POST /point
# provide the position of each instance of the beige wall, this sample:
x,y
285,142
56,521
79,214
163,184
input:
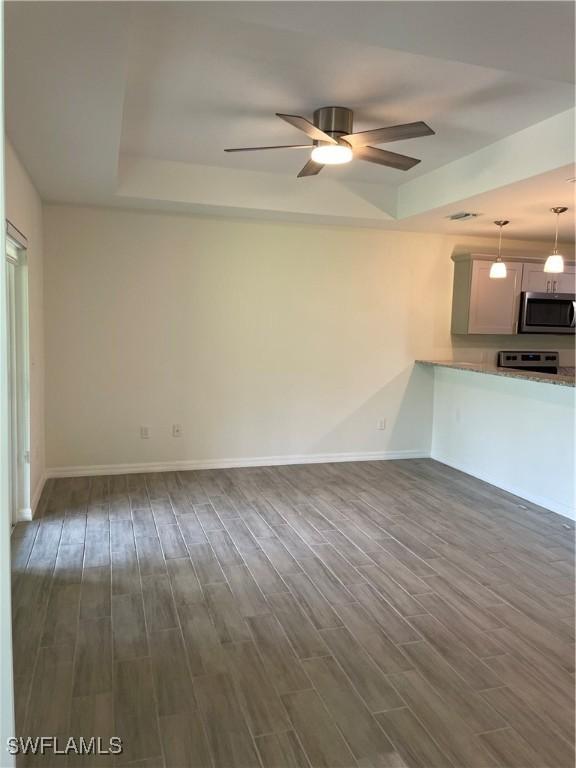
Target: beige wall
x,y
261,339
24,211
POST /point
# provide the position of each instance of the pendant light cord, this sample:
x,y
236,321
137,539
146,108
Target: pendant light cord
x,y
556,237
558,210
500,223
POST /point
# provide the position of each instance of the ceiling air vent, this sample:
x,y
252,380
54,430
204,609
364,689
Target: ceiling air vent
x,y
462,216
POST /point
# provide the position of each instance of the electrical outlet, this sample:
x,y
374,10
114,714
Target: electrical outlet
x,y
144,433
176,430
381,424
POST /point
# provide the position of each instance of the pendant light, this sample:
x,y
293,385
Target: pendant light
x,y
555,262
498,268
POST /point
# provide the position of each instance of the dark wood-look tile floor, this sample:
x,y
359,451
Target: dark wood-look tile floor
x,y
366,615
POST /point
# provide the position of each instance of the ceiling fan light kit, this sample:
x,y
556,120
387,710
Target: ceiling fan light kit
x,y
334,143
331,154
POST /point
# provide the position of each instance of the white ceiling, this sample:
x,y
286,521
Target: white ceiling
x,y
220,79
130,103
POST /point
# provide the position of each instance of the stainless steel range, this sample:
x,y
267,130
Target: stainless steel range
x,y
543,362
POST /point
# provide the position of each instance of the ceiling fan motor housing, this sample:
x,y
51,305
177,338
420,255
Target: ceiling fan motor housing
x,y
335,121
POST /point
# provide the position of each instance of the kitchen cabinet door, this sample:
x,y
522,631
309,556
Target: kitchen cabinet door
x,y
565,282
494,304
535,279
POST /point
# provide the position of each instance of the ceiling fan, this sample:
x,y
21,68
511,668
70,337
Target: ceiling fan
x,y
333,141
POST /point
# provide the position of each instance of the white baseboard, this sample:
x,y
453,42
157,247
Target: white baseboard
x,y
24,515
258,461
542,501
36,495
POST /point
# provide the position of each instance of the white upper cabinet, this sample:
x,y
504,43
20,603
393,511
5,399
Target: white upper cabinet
x,y
494,304
536,280
565,282
484,305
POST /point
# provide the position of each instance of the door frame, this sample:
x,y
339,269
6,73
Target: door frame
x,y
19,373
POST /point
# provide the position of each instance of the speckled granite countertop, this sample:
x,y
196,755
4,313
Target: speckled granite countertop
x,y
564,377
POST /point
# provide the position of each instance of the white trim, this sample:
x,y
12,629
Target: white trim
x,y
257,461
23,515
14,234
37,493
19,379
542,501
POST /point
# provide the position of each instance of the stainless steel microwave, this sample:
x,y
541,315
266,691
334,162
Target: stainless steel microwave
x,y
547,313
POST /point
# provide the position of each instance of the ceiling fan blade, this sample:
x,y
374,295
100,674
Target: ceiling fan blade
x,y
309,129
280,146
391,133
310,169
383,157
